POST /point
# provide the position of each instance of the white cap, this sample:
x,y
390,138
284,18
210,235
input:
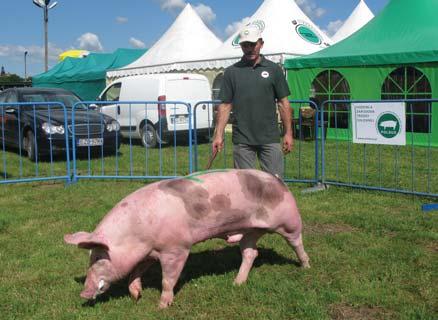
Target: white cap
x,y
250,33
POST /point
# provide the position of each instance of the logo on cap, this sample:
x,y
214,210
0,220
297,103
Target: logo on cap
x,y
259,24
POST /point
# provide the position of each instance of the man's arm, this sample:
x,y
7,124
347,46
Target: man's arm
x,y
286,118
223,114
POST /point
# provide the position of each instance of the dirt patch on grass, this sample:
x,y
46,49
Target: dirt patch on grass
x,y
328,228
432,246
343,311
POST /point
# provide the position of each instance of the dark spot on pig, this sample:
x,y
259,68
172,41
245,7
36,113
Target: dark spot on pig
x,y
195,198
220,202
124,205
262,213
267,192
230,218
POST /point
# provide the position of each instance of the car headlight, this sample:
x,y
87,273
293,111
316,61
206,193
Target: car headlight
x,y
52,129
113,126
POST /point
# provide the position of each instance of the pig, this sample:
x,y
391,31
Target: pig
x,y
163,220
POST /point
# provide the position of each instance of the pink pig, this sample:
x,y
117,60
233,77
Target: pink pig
x,y
163,220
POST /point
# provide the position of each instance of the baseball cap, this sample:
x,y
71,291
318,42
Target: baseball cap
x,y
250,33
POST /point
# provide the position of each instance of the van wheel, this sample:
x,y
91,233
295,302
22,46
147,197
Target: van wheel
x,y
29,145
149,136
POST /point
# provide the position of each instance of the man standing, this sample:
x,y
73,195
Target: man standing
x,y
252,88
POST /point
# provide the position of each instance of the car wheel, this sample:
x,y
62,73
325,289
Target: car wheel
x,y
149,136
29,145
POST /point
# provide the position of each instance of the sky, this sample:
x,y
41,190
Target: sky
x,y
105,25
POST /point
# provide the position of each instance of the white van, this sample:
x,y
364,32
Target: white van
x,y
155,122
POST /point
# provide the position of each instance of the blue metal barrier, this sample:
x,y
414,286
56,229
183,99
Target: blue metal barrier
x,y
302,164
207,128
34,135
140,121
405,169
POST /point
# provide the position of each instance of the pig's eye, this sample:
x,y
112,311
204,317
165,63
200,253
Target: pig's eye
x,y
101,285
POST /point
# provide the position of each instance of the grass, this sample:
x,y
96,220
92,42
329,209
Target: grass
x,y
374,255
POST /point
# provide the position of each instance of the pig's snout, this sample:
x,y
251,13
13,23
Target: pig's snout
x,y
88,294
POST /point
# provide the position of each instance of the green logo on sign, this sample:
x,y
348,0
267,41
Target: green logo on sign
x,y
388,125
308,34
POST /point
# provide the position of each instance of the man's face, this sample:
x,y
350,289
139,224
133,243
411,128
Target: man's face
x,y
251,50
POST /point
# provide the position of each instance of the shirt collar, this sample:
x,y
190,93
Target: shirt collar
x,y
244,63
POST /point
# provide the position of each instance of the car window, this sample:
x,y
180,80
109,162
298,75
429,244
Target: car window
x,y
67,99
33,98
10,97
113,93
3,97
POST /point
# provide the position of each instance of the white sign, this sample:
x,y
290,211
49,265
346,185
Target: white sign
x,y
379,123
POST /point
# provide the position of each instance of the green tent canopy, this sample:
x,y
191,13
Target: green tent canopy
x,y
86,76
394,56
405,31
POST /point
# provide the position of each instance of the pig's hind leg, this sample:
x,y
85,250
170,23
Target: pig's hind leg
x,y
248,249
172,263
295,239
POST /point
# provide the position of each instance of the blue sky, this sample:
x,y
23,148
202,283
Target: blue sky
x,y
105,25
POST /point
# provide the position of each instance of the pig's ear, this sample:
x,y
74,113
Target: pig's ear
x,y
86,240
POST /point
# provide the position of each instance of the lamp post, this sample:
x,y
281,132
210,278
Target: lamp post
x,y
46,6
25,65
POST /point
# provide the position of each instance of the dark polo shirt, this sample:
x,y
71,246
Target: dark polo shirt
x,y
253,90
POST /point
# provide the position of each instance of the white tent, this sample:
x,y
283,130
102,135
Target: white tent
x,y
188,38
360,16
287,32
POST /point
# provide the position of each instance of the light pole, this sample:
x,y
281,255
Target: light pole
x,y
25,65
46,6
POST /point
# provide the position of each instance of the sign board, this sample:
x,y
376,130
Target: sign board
x,y
379,123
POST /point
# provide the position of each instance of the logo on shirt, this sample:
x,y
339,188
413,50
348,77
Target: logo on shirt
x,y
265,74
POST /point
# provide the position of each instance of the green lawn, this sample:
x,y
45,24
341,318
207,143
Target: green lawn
x,y
373,256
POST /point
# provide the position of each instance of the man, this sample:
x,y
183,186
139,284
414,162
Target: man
x,y
252,88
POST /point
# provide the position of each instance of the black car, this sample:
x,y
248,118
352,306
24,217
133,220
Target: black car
x,y
39,129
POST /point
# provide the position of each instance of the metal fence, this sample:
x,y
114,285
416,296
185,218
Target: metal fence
x,y
147,146
33,135
411,169
176,142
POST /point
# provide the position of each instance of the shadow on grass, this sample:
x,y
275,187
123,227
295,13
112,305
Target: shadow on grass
x,y
211,262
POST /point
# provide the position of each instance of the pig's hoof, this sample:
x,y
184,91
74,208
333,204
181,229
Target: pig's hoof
x,y
165,302
239,282
136,296
305,265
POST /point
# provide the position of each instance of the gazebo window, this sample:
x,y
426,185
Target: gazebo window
x,y
410,83
331,85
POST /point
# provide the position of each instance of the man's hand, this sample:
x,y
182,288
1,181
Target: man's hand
x,y
218,143
223,114
288,143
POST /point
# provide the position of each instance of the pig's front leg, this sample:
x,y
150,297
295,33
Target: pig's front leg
x,y
248,249
135,278
172,263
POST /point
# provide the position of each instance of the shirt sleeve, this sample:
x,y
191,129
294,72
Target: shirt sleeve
x,y
226,92
281,85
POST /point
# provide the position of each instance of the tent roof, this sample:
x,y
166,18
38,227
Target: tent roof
x,y
404,32
282,22
360,16
188,38
92,67
286,30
